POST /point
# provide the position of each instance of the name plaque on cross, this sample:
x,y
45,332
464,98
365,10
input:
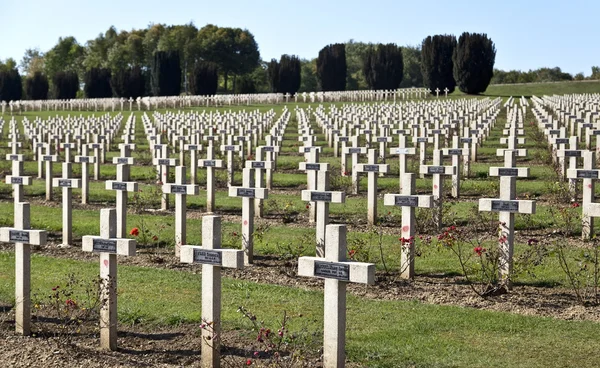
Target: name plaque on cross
x,y
47,158
331,270
65,183
382,139
466,140
192,147
207,257
320,196
421,140
245,192
371,168
310,166
104,245
119,185
436,169
84,159
409,201
229,148
16,180
268,149
164,161
456,151
18,236
504,171
507,206
178,189
343,139
95,146
587,174
402,151
258,164
354,150
14,157
122,160
572,153
436,131
554,132
209,163
473,131
561,141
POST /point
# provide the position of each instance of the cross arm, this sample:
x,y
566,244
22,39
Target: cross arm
x,y
352,150
51,158
127,186
33,237
228,258
66,183
124,247
306,149
189,189
323,196
521,152
85,159
357,272
582,174
18,180
269,165
422,201
379,168
521,172
258,193
14,157
442,170
192,147
307,166
211,163
123,160
506,140
402,151
500,205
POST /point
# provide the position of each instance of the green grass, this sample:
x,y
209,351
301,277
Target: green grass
x,y
379,333
538,89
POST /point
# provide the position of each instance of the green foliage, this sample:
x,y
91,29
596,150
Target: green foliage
x,y
473,60
411,56
436,62
355,54
66,56
33,61
245,85
11,88
36,86
65,85
166,74
273,75
97,83
540,75
308,76
383,66
205,79
331,67
289,74
128,82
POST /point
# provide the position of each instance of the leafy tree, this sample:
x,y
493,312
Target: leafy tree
x,y
166,74
411,55
137,82
355,54
245,85
436,62
32,62
97,83
383,66
128,82
66,56
273,75
65,85
233,49
11,88
331,67
473,60
36,86
290,73
308,76
205,79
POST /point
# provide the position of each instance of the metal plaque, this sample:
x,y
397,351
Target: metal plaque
x,y
258,164
65,183
436,169
371,168
406,201
245,192
116,185
18,236
504,171
16,180
330,270
320,196
208,257
178,189
104,245
209,163
505,206
313,166
587,174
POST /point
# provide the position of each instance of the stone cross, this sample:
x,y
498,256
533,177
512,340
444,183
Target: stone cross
x,y
373,169
108,245
164,163
456,154
229,148
248,193
194,149
311,167
572,154
181,191
210,164
212,258
507,206
22,237
16,178
67,184
322,197
259,168
402,152
337,272
437,170
85,160
354,151
589,209
408,201
49,159
437,93
122,186
422,142
446,90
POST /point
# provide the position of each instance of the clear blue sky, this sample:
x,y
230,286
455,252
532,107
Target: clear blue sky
x,y
528,34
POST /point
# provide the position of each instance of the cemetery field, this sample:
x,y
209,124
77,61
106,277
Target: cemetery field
x,y
449,315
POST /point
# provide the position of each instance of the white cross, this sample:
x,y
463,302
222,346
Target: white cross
x,y
67,184
438,172
372,168
590,209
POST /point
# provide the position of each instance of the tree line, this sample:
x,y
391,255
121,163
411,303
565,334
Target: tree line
x,y
169,60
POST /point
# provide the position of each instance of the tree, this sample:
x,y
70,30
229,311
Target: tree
x,y
290,73
137,82
66,56
32,62
166,74
97,83
245,85
36,86
11,87
355,54
308,76
383,66
128,82
473,60
436,62
331,67
273,75
411,55
65,85
233,49
205,79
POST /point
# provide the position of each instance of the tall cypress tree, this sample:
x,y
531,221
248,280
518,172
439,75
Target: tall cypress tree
x,y
11,87
97,83
383,66
273,75
65,85
205,79
332,68
166,73
436,62
289,74
473,59
36,86
137,82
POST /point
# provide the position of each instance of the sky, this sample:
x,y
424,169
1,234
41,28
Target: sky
x,y
528,34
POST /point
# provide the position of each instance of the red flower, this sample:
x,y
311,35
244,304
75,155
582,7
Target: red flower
x,y
70,303
249,362
351,253
575,205
479,250
307,206
135,231
155,238
234,233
